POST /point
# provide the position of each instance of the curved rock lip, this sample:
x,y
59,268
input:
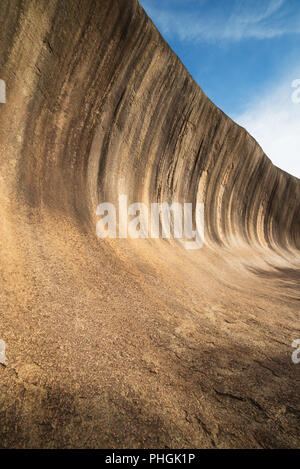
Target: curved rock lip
x,y
136,341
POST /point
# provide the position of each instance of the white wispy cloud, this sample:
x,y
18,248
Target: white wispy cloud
x,y
256,19
274,121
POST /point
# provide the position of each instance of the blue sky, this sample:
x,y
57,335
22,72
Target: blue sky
x,y
245,55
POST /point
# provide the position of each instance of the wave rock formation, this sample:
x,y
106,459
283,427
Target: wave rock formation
x,y
122,342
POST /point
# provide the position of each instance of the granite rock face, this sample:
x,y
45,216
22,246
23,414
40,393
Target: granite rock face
x,y
136,343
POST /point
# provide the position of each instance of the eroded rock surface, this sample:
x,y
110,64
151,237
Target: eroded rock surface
x,y
136,343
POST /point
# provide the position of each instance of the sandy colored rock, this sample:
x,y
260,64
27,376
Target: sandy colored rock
x,y
136,343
